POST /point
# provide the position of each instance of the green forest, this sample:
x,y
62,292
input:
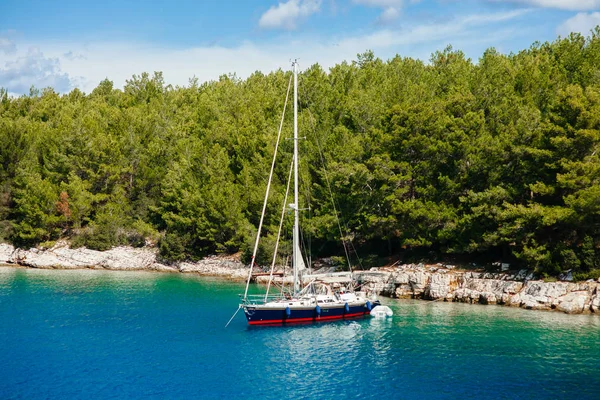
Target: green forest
x,y
493,159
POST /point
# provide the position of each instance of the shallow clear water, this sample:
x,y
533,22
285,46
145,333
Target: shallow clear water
x,y
113,335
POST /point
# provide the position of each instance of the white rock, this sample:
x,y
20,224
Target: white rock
x,y
514,300
475,295
6,251
438,287
400,278
546,292
418,280
162,268
215,267
459,294
488,298
404,291
528,301
573,302
595,303
119,258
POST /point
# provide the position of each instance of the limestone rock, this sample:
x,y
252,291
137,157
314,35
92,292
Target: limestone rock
x,y
573,302
514,300
6,251
528,301
418,280
404,292
438,287
534,302
216,267
376,282
461,294
118,258
548,289
475,296
595,303
504,298
158,267
400,278
488,298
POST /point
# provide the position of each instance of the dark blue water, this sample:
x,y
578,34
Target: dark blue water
x,y
120,335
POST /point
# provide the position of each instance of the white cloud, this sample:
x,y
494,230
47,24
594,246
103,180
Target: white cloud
x,y
288,15
380,3
388,15
33,68
460,28
7,46
572,5
119,61
72,56
480,19
391,8
582,23
71,64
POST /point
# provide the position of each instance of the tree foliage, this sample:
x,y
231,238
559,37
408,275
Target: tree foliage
x,y
497,158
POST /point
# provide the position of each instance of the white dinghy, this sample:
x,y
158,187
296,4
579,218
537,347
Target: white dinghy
x,y
381,312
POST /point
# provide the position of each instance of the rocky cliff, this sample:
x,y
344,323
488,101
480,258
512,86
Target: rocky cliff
x,y
520,289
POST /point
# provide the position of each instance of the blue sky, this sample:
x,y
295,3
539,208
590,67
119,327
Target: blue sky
x,y
68,44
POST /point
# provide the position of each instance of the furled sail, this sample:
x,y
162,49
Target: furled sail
x,y
300,266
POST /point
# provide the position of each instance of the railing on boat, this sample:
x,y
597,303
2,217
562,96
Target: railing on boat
x,y
260,298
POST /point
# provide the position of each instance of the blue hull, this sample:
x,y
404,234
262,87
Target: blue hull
x,y
257,315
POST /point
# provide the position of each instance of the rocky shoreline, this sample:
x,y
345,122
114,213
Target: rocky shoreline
x,y
429,282
125,258
519,289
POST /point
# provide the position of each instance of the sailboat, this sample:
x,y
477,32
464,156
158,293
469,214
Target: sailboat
x,y
316,297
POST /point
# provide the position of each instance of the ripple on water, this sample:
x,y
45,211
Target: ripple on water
x,y
101,334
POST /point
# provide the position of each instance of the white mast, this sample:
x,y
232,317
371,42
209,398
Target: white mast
x,y
296,256
262,215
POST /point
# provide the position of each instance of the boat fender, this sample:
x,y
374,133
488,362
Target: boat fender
x,y
347,307
368,305
288,312
318,310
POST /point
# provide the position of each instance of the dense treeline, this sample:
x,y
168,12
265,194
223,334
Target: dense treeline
x,y
497,159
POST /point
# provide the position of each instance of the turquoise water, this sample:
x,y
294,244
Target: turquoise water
x,y
121,335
